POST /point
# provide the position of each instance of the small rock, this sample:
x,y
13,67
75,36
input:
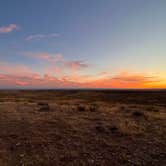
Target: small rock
x,y
22,155
18,144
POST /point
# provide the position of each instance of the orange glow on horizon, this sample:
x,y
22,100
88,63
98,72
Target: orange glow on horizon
x,y
23,76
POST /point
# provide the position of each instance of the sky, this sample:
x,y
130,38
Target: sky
x,y
82,44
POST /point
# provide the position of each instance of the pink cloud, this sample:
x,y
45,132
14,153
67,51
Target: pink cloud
x,y
57,63
48,81
45,56
14,75
2,77
12,69
9,28
54,70
21,83
76,65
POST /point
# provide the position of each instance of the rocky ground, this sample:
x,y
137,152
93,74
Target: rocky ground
x,y
80,128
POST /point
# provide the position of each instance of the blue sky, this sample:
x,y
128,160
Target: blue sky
x,y
102,36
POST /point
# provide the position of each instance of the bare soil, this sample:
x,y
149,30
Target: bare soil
x,y
82,128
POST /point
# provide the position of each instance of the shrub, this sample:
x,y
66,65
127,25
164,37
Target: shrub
x,y
93,108
44,107
81,108
137,114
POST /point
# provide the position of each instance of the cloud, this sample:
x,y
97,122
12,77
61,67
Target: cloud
x,y
21,83
22,76
45,56
9,28
42,36
48,81
17,76
104,73
135,78
13,69
54,70
57,62
126,80
76,65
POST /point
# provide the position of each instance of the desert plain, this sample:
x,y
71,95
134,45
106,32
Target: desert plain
x,y
82,127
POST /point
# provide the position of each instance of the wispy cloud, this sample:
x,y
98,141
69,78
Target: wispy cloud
x,y
52,59
12,69
126,80
42,36
76,65
9,28
45,56
21,83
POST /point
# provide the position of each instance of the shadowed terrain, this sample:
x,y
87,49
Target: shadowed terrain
x,y
82,127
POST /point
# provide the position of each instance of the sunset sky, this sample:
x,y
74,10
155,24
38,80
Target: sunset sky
x,y
82,44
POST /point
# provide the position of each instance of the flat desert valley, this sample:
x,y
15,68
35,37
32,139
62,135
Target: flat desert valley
x,y
82,128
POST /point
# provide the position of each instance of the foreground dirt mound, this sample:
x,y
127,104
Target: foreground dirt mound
x,y
56,130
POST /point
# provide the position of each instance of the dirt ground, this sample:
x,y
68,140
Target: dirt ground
x,y
82,128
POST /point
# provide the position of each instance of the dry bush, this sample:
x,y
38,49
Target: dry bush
x,y
90,107
41,103
43,107
138,114
81,108
93,108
